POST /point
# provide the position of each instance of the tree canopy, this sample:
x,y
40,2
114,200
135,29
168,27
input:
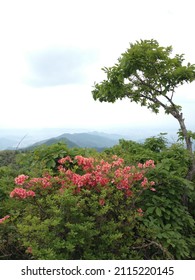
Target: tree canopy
x,y
145,73
149,74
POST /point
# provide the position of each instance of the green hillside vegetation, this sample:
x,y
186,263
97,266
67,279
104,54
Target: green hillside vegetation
x,y
101,224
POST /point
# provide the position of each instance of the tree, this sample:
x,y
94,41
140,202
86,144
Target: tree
x,y
147,74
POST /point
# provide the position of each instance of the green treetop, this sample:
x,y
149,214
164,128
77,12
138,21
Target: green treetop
x,y
148,74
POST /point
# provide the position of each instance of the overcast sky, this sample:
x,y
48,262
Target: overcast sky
x,y
52,52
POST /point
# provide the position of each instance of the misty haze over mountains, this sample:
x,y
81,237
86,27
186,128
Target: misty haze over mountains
x,y
22,138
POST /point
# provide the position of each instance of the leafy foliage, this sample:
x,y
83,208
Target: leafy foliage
x,y
104,221
145,72
86,200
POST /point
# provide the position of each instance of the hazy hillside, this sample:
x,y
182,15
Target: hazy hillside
x,y
112,136
89,140
54,140
83,140
11,138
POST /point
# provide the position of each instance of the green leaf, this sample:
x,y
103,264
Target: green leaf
x,y
168,226
158,212
150,210
51,163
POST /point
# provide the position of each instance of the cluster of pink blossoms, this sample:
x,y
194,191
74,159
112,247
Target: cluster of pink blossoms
x,y
148,163
140,211
99,175
86,163
21,193
117,161
21,179
91,179
4,218
65,159
45,182
94,175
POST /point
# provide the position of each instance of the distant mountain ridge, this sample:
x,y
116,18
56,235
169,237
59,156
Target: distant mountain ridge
x,y
53,140
89,140
82,140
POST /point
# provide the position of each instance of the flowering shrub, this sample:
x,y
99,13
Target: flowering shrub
x,y
78,204
94,176
90,209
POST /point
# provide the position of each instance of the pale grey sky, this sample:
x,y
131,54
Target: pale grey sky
x,y
52,52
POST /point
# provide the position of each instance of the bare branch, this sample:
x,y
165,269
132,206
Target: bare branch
x,y
158,245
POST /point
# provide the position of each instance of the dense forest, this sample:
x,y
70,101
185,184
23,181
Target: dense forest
x,y
127,202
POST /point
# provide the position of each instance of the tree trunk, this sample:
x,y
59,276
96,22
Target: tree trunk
x,y
191,171
188,142
185,135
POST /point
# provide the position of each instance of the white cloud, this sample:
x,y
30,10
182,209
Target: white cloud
x,y
104,27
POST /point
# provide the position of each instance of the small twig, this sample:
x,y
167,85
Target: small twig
x,y
20,142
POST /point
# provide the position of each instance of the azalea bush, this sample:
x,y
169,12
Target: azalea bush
x,y
90,209
165,211
80,204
